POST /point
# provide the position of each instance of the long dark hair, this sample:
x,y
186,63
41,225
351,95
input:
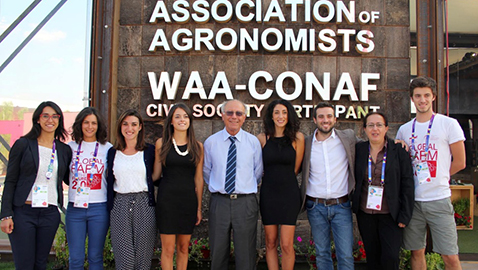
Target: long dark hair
x,y
77,134
34,133
120,141
292,126
193,146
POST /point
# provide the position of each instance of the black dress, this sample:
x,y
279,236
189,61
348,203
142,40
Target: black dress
x,y
176,208
280,194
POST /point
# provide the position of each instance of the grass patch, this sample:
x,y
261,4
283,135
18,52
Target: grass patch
x,y
7,265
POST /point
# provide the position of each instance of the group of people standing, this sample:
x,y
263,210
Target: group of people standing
x,y
394,193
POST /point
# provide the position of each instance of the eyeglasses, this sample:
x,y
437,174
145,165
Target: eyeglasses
x,y
231,113
46,116
378,125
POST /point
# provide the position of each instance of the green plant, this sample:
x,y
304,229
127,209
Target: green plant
x,y
108,256
311,248
434,261
203,243
231,253
461,206
405,256
359,253
311,256
61,247
297,247
195,248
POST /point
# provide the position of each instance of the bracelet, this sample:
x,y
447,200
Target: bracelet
x,y
5,218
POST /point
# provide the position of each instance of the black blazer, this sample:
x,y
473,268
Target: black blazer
x,y
148,157
22,171
399,187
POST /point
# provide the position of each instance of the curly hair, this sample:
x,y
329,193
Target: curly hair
x,y
292,126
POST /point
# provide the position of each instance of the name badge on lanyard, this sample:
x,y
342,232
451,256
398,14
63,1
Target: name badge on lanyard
x,y
82,195
374,198
423,172
40,196
375,193
40,191
421,167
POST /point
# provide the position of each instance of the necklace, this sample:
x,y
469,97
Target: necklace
x,y
179,151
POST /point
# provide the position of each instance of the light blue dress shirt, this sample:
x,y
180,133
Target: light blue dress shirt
x,y
248,164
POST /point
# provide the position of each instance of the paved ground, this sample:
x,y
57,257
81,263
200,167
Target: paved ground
x,y
469,265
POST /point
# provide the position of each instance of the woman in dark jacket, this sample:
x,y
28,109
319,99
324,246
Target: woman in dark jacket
x,y
37,165
384,193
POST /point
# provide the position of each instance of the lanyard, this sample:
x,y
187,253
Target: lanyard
x,y
427,138
77,161
49,173
384,161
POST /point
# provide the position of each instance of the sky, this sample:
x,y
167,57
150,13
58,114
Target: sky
x,y
54,64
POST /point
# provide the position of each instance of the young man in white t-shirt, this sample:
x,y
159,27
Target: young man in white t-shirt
x,y
434,139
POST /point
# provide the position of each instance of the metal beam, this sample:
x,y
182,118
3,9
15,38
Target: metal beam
x,y
103,65
31,35
430,42
4,143
19,19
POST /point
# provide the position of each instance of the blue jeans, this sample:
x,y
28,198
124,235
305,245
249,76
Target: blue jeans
x,y
80,222
338,218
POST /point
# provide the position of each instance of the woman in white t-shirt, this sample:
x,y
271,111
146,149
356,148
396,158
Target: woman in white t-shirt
x,y
87,213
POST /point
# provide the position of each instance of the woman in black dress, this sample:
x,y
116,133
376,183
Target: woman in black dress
x,y
179,157
282,153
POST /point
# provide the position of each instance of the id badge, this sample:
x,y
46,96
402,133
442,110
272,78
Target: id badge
x,y
82,197
423,173
40,196
374,198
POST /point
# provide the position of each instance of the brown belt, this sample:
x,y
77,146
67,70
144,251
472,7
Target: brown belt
x,y
326,202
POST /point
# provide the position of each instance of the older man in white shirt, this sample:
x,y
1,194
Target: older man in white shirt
x,y
233,169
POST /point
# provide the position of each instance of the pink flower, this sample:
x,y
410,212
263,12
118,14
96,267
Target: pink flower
x,y
299,239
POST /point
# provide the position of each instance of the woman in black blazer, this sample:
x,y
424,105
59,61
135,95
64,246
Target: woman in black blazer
x,y
384,193
38,162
